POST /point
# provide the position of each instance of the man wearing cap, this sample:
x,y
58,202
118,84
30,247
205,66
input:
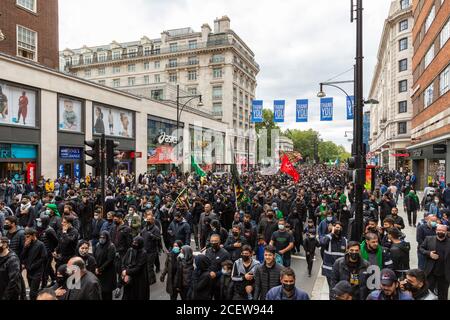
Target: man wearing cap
x,y
10,276
436,249
390,288
351,268
34,258
342,291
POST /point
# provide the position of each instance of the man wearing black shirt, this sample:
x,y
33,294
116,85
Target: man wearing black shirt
x,y
283,242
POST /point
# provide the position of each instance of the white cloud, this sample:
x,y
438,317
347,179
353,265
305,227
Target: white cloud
x,y
297,43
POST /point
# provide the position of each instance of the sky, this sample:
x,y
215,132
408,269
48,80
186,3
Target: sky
x,y
297,43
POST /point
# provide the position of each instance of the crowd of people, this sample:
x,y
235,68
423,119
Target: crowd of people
x,y
62,241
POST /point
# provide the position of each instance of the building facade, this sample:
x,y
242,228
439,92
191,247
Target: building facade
x,y
284,144
44,110
29,30
390,120
431,99
217,65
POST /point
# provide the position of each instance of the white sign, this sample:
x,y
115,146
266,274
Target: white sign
x,y
113,122
17,106
164,138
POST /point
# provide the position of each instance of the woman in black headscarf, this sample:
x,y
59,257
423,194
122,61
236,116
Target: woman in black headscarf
x,y
134,272
105,253
83,253
185,268
201,280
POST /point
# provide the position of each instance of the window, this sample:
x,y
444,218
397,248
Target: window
x,y
192,44
403,44
116,69
102,82
404,4
117,55
443,81
217,73
172,77
173,47
131,81
217,93
87,72
192,75
157,50
87,59
403,65
402,127
131,68
445,33
101,57
172,63
217,109
403,25
157,94
116,83
101,71
75,60
26,43
428,96
27,4
157,78
192,91
403,86
217,58
147,51
429,19
192,61
132,53
157,64
402,107
429,56
146,66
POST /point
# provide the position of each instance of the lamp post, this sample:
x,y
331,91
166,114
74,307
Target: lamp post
x,y
181,108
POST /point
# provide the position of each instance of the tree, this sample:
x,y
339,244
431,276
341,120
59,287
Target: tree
x,y
328,151
305,142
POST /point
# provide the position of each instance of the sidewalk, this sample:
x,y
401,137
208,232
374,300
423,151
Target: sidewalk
x,y
321,291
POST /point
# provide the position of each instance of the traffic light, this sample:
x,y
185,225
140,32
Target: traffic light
x,y
351,162
111,154
94,153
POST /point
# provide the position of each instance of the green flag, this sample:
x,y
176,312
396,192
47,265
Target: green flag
x,y
197,168
241,196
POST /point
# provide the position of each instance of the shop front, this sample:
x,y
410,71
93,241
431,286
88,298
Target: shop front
x,y
431,164
163,144
208,148
18,162
70,162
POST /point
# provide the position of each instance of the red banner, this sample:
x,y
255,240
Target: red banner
x,y
161,155
288,168
31,173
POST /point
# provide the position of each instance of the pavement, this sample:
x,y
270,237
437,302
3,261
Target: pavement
x,y
321,290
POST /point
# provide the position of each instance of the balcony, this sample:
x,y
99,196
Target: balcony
x,y
217,114
215,98
182,65
220,60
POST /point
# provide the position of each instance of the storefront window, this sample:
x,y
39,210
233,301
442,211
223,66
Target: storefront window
x,y
436,171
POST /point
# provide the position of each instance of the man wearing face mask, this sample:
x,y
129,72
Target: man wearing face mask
x,y
325,224
25,213
121,235
48,237
235,242
216,254
249,231
67,244
34,258
202,226
287,290
96,226
10,275
436,249
109,224
425,229
15,234
283,241
334,245
322,210
179,229
152,238
243,275
268,226
351,268
416,283
54,215
310,243
133,220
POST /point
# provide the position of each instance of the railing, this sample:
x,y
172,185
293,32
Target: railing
x,y
217,97
217,114
182,64
217,60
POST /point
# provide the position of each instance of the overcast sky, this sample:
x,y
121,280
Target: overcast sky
x,y
297,43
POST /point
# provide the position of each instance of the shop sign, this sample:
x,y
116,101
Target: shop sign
x,y
439,148
417,153
31,173
166,139
70,153
5,151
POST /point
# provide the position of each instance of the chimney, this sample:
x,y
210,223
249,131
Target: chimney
x,y
164,36
222,24
206,30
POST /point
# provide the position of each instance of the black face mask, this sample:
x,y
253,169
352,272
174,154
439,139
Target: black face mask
x,y
61,281
215,246
246,258
270,216
354,256
235,234
441,235
7,227
288,287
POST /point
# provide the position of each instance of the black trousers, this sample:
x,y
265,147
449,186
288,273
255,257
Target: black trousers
x,y
439,283
413,215
34,283
151,258
309,261
48,272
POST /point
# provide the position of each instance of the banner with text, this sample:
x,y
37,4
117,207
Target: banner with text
x,y
257,111
302,110
350,107
278,111
326,109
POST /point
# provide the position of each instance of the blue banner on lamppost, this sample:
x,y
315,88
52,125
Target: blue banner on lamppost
x,y
302,110
326,109
278,111
257,111
350,107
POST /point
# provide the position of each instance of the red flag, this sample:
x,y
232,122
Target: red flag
x,y
288,168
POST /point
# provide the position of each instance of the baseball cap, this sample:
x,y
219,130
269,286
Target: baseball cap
x,y
342,287
388,277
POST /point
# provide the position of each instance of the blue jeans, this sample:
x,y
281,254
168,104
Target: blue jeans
x,y
421,260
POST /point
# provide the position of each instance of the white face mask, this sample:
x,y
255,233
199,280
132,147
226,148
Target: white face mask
x,y
181,256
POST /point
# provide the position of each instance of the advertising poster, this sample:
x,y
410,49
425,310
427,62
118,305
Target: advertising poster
x,y
113,122
302,110
163,154
17,106
70,115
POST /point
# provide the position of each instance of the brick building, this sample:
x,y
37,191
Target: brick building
x,y
430,133
30,29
